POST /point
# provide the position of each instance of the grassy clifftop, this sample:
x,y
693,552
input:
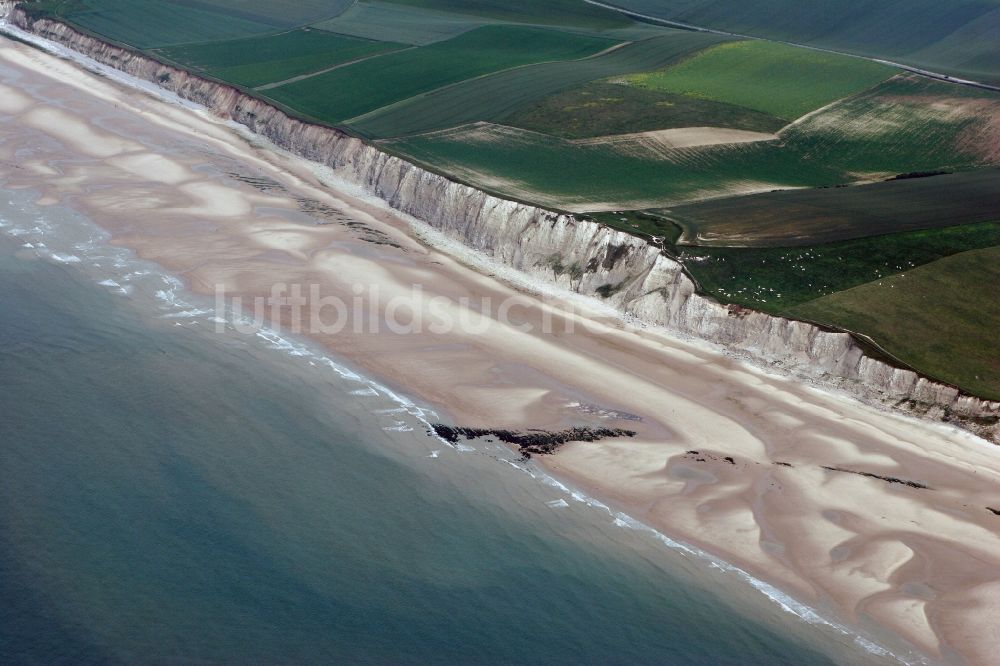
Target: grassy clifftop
x,y
653,130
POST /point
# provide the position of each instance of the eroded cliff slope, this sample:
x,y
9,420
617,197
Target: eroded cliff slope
x,y
593,260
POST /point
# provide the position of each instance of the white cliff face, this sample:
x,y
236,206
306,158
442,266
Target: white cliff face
x,y
579,255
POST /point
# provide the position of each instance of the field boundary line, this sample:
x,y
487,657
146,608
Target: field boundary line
x,y
375,112
898,65
842,100
303,77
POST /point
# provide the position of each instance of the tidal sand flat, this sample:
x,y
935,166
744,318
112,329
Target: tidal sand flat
x,y
881,522
172,495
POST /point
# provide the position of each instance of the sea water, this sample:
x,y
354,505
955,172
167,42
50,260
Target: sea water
x,y
171,494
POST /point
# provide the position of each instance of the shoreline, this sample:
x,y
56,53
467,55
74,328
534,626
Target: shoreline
x,y
525,238
534,406
186,313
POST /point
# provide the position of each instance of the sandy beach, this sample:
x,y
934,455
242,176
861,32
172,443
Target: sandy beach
x,y
880,520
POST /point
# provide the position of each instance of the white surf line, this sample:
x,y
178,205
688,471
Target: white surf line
x,y
697,28
303,348
784,601
466,255
292,345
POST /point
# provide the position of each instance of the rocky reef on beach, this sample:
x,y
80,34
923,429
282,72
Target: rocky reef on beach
x,y
530,442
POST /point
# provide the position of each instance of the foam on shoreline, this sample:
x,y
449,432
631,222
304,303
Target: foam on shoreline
x,y
185,311
523,237
123,273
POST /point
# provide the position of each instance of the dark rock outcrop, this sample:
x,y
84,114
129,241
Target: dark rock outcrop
x,y
529,442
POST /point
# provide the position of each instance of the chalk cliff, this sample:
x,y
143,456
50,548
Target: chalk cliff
x,y
634,276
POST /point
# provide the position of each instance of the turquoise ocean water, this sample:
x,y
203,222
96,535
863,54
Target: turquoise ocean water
x,y
174,495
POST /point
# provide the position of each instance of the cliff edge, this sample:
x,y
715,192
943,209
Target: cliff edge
x,y
630,274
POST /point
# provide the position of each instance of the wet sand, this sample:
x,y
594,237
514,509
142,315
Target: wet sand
x,y
878,518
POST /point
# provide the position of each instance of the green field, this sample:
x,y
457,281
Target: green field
x,y
149,23
357,89
574,107
586,177
493,97
775,279
602,108
941,318
647,224
258,60
957,37
285,14
776,79
387,21
903,125
544,12
807,217
972,51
